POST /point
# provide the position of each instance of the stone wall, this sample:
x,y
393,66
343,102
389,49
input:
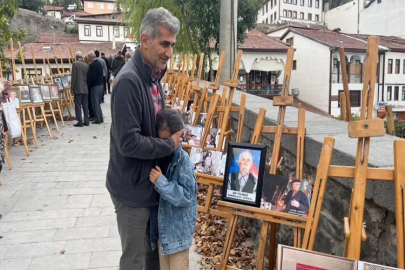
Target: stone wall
x,y
379,215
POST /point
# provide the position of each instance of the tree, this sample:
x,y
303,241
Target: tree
x,y
34,5
63,3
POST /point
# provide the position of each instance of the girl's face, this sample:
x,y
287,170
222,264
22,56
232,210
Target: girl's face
x,y
164,134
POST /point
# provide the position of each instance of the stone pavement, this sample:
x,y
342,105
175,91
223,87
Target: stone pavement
x,y
56,200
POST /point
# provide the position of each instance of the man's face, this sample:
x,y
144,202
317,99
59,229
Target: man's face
x,y
245,163
159,50
12,95
296,186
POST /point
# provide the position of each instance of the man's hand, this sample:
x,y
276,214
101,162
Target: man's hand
x,y
177,138
7,85
295,203
155,174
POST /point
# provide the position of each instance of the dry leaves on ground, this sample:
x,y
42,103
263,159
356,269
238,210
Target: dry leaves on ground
x,y
210,236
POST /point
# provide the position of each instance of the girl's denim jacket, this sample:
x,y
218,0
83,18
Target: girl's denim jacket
x,y
177,211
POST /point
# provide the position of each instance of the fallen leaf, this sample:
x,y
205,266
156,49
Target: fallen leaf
x,y
44,205
55,137
70,140
62,251
1,236
95,137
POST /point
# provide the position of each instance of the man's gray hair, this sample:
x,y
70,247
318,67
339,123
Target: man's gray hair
x,y
79,55
156,18
91,54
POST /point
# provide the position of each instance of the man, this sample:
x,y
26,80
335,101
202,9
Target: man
x,y
128,55
36,97
95,85
136,99
80,91
54,91
117,64
107,62
105,72
296,201
14,99
243,180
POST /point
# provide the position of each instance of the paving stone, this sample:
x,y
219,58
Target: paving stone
x,y
3,250
61,262
96,221
113,232
53,202
93,245
7,204
32,225
32,250
92,184
103,200
63,185
78,191
14,237
44,185
81,233
105,259
44,214
36,193
108,211
15,264
92,212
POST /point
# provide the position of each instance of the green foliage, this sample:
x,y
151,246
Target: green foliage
x,y
34,5
247,14
7,10
355,117
399,128
63,3
71,29
336,3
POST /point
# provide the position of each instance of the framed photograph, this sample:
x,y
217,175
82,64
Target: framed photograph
x,y
54,90
65,82
25,93
14,96
58,82
213,138
244,170
371,266
69,78
208,162
289,258
193,135
46,94
36,96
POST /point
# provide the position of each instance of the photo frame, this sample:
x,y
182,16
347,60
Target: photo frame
x,y
14,96
36,96
209,162
25,93
58,82
46,94
244,169
65,82
54,91
192,135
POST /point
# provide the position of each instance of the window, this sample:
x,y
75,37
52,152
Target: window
x,y
99,31
302,2
267,20
378,1
317,3
262,11
271,4
31,72
271,18
285,13
90,5
294,65
403,67
301,15
267,7
289,1
389,66
290,41
317,18
87,30
275,15
389,93
309,17
126,33
403,92
285,1
275,2
294,2
310,3
355,98
116,32
396,92
397,64
100,6
295,14
289,14
110,6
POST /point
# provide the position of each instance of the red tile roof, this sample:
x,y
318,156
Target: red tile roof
x,y
396,44
52,8
296,25
257,41
77,13
100,21
331,39
60,38
105,47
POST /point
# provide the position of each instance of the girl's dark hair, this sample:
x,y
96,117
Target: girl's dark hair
x,y
170,120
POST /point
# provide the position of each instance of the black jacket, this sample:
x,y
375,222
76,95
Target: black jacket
x,y
117,65
95,77
107,62
249,186
134,146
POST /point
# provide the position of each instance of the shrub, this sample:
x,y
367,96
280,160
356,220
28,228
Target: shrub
x,y
399,128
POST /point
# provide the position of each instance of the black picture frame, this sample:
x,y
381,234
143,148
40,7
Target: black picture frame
x,y
25,93
58,82
54,90
251,192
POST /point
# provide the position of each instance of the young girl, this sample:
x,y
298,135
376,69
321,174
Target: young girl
x,y
176,214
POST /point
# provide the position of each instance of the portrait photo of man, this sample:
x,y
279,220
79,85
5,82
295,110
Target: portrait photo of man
x,y
243,180
296,202
46,95
54,91
59,83
13,96
36,96
25,93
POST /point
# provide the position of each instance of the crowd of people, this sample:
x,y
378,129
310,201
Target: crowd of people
x,y
92,75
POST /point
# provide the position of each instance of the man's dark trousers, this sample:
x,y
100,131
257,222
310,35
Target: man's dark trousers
x,y
104,89
133,227
81,101
96,94
90,106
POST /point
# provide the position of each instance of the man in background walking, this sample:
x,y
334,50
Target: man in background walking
x,y
96,86
117,64
107,62
80,91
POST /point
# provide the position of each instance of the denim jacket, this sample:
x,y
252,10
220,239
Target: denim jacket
x,y
177,211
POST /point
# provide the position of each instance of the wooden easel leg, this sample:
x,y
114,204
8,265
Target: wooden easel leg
x,y
262,246
60,112
33,127
272,251
399,178
230,234
54,117
46,122
24,132
7,154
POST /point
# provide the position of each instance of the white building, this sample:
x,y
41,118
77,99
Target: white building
x,y
104,30
283,11
54,11
375,17
316,75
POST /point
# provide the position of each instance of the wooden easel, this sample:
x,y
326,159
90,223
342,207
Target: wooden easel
x,y
39,118
50,112
390,119
348,108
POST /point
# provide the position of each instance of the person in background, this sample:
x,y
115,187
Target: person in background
x,y
135,149
105,72
4,87
128,55
80,91
117,64
107,62
173,221
95,83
